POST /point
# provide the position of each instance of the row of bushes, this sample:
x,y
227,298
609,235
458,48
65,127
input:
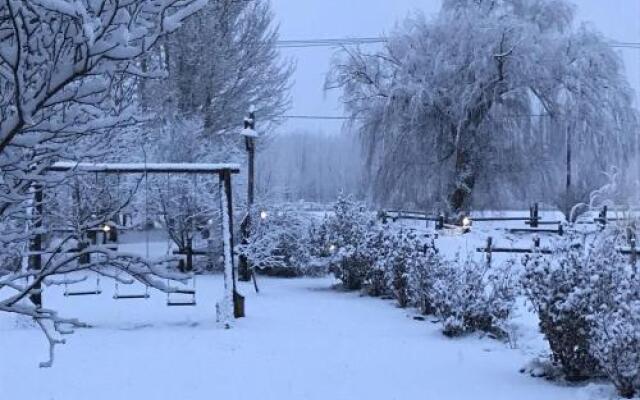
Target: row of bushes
x,y
465,295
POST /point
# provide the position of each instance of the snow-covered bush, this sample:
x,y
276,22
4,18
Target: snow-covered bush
x,y
559,288
278,244
319,243
588,300
422,276
377,283
350,232
615,340
615,322
401,255
473,296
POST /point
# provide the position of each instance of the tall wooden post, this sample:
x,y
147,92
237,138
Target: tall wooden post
x,y
249,140
238,300
568,194
35,259
189,266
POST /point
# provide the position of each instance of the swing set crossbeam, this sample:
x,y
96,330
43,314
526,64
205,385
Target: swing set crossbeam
x,y
145,168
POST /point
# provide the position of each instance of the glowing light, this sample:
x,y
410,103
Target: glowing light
x,y
466,222
263,214
106,228
332,248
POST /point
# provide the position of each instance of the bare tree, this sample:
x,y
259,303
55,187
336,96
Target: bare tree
x,y
222,63
66,69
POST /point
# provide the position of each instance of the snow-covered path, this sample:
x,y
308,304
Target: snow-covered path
x,y
301,340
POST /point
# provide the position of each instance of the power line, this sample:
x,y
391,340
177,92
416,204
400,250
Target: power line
x,y
330,42
344,118
336,42
317,117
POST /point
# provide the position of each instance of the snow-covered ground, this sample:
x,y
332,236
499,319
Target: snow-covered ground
x,y
301,340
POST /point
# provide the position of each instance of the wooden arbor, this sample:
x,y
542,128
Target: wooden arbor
x,y
224,173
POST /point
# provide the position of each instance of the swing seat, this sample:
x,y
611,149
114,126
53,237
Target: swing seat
x,y
184,291
181,303
84,293
131,296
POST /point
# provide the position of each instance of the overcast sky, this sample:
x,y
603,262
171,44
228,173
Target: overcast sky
x,y
314,19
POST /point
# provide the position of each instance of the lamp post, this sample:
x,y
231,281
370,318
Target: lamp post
x,y
244,269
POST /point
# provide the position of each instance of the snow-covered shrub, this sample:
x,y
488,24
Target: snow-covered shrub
x,y
422,275
472,296
376,280
588,300
559,287
319,243
402,253
615,340
615,322
278,244
349,233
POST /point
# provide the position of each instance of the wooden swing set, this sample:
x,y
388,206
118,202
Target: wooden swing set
x,y
224,173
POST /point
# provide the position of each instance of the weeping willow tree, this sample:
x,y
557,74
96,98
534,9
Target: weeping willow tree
x,y
483,99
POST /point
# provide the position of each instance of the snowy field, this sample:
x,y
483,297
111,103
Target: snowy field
x,y
301,340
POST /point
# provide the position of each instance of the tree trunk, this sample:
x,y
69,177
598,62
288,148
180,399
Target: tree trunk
x,y
464,182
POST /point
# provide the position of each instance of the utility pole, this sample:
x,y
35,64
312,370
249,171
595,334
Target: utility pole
x,y
244,270
568,193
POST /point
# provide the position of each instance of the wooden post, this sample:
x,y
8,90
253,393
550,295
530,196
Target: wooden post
x,y
35,260
189,249
603,217
489,249
249,124
238,300
536,242
534,216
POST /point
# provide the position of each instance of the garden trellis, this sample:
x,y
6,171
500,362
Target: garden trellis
x,y
224,173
